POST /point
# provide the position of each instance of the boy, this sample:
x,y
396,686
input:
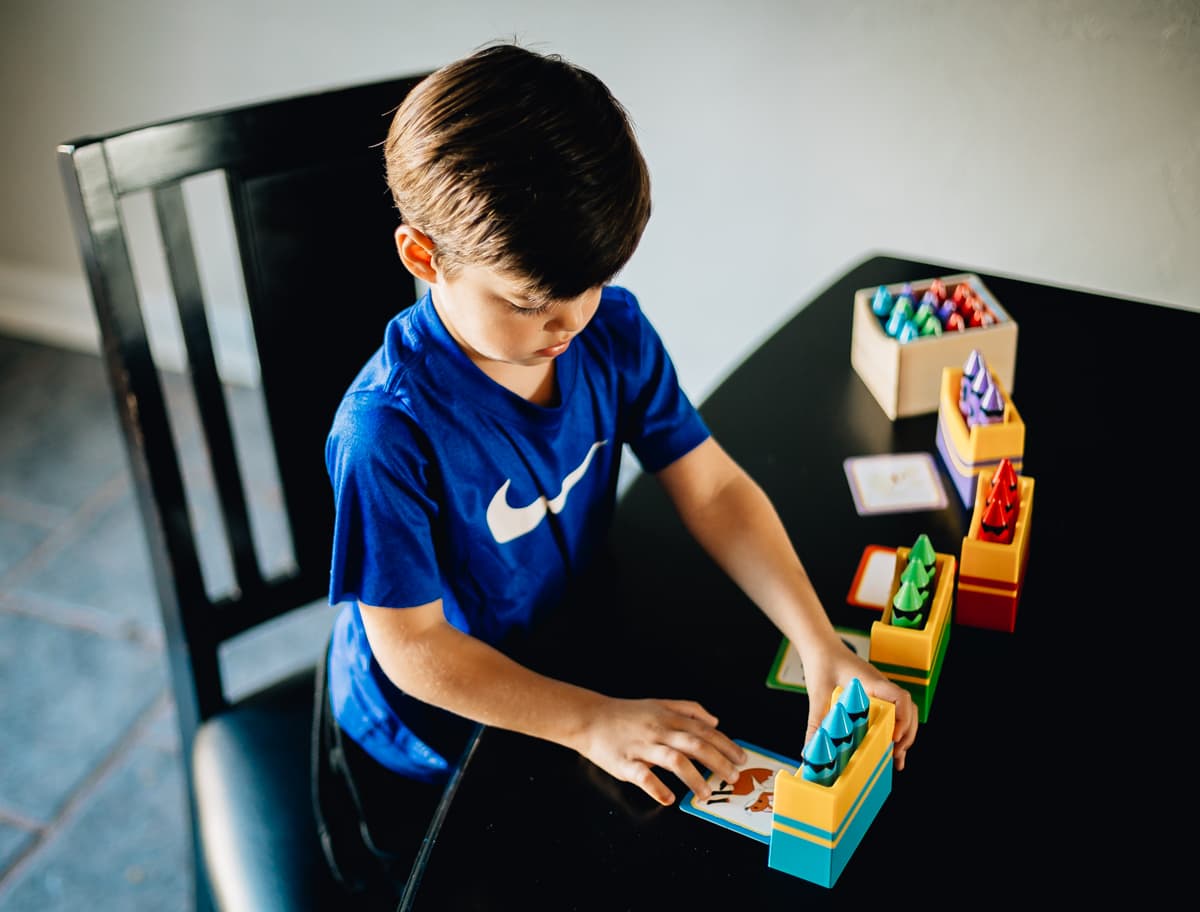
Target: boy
x,y
474,464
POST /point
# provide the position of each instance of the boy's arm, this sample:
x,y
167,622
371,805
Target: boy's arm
x,y
734,521
432,660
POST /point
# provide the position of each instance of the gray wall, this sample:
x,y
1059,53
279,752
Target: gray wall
x,y
1053,140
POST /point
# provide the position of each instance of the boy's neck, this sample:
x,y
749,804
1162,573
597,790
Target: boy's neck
x,y
535,384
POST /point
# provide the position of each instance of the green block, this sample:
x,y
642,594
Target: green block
x,y
922,694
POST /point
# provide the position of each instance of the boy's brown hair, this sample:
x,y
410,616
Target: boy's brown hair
x,y
523,163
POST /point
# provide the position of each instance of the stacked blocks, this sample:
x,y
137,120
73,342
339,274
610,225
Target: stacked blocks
x,y
972,438
992,570
815,827
912,656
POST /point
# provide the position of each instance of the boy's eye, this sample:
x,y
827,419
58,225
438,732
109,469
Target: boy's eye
x,y
529,311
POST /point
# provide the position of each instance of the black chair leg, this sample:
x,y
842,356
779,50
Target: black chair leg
x,y
200,889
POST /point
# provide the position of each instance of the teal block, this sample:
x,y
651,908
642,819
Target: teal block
x,y
816,863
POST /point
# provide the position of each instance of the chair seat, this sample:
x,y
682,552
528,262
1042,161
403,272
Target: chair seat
x,y
254,807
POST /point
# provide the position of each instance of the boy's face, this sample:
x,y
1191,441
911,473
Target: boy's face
x,y
486,314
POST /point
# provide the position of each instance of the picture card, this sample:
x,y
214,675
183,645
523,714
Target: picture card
x,y
873,580
787,672
895,483
745,806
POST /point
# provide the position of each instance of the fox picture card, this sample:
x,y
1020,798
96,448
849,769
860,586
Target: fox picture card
x,y
744,806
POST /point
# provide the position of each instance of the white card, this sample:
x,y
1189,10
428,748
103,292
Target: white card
x,y
895,483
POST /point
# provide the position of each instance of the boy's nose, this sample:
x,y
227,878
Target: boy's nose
x,y
569,316
573,315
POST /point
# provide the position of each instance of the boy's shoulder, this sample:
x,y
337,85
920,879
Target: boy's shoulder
x,y
405,346
619,311
619,298
621,319
382,393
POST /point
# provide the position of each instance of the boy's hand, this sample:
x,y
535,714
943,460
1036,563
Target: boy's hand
x,y
627,738
825,670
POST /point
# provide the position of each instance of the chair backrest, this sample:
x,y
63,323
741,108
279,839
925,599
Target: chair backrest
x,y
313,223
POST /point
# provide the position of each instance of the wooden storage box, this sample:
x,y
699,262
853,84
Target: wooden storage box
x,y
905,377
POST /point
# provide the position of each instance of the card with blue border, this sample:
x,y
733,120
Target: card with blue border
x,y
745,806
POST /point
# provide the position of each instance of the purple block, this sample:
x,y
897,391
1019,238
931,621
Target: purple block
x,y
963,484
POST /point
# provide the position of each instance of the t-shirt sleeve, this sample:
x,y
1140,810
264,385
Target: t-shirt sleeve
x,y
384,514
661,423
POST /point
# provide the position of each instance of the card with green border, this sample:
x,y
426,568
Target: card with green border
x,y
787,673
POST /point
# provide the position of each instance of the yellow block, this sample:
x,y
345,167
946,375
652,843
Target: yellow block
x,y
979,443
908,646
996,560
828,807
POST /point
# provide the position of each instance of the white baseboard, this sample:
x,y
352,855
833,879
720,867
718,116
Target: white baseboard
x,y
56,309
48,307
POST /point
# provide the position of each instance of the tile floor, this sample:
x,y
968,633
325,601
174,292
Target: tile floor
x,y
92,810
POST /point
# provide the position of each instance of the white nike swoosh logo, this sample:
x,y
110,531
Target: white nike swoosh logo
x,y
508,522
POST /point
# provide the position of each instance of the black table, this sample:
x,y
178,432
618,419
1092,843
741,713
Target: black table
x,y
1033,770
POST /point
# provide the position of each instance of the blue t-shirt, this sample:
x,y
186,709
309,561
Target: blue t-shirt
x,y
447,485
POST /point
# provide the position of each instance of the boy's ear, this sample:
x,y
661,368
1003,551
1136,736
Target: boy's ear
x,y
416,251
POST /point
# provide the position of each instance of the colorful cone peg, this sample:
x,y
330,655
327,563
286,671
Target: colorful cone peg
x,y
881,304
840,728
906,607
1006,475
914,572
991,407
973,365
994,525
819,762
1008,499
858,708
922,550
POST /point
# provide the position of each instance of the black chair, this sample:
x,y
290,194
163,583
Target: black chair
x,y
313,223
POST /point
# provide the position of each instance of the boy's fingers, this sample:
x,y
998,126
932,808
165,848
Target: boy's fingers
x,y
905,731
683,768
641,774
692,710
698,728
644,778
721,758
714,739
814,722
906,720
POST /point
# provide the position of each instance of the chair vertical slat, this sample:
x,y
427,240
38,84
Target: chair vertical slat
x,y
322,280
282,388
171,211
140,405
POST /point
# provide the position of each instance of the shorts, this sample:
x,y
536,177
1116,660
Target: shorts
x,y
370,820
